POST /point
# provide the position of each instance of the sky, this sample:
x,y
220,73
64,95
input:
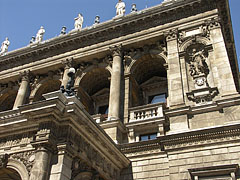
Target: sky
x,y
21,19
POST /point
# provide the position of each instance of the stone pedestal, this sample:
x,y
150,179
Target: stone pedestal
x,y
116,81
23,89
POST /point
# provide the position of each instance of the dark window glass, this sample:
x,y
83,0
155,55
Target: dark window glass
x,y
103,109
147,137
157,98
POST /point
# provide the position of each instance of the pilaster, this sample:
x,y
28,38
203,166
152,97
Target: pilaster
x,y
223,74
175,87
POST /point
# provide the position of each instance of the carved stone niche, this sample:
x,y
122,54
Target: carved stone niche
x,y
196,58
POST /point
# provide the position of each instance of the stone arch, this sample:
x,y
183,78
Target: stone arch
x,y
154,53
190,41
44,86
92,81
148,69
7,99
18,167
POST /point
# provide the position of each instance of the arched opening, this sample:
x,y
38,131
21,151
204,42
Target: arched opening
x,y
46,87
94,91
9,174
149,82
7,100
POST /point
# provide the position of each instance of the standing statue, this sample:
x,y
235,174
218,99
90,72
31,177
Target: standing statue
x,y
40,33
78,22
198,63
4,47
120,8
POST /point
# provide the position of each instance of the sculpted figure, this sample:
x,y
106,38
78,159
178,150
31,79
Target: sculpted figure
x,y
78,22
198,65
134,8
40,33
120,8
4,47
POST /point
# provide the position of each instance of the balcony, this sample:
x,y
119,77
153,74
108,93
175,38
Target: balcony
x,y
146,112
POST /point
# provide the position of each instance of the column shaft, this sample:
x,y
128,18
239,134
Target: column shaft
x,y
115,87
22,91
40,169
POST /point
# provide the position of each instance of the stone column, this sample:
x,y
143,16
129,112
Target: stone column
x,y
41,166
222,71
23,89
116,82
68,63
175,86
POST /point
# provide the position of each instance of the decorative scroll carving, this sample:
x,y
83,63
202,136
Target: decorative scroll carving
x,y
3,160
27,158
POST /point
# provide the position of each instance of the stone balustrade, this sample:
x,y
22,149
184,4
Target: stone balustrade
x,y
149,111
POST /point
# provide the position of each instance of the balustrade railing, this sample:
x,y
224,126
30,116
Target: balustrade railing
x,y
149,111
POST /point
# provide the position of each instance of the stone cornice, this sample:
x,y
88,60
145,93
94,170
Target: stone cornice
x,y
200,137
114,28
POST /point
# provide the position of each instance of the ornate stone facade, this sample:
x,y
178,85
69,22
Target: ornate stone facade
x,y
155,96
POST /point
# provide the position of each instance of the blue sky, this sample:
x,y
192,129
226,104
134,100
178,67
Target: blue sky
x,y
21,19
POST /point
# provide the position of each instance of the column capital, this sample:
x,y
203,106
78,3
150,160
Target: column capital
x,y
116,50
25,75
68,63
171,34
213,23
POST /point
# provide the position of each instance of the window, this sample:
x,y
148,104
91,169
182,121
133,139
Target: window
x,y
103,109
157,98
225,172
147,137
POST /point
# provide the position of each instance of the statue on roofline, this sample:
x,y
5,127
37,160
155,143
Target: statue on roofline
x,y
4,46
78,22
120,8
40,33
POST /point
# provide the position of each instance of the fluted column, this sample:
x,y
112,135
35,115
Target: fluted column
x,y
40,169
116,81
23,89
68,63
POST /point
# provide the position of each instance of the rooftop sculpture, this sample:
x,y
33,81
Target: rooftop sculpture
x,y
78,22
40,33
4,47
120,8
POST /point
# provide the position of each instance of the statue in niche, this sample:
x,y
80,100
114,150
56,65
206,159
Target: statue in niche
x,y
40,33
198,65
4,47
120,8
78,22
